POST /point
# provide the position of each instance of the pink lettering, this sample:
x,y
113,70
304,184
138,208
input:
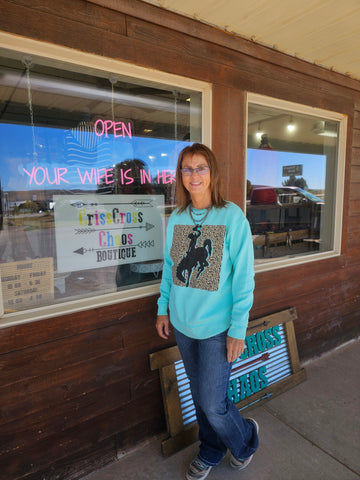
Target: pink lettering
x,y
166,176
86,176
128,132
172,175
108,125
31,175
55,177
96,129
130,179
118,127
145,177
60,174
35,175
102,174
103,127
109,172
40,175
102,234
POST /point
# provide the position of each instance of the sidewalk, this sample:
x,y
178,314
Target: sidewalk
x,y
311,432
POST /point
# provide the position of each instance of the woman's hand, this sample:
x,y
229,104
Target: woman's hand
x,y
163,326
235,348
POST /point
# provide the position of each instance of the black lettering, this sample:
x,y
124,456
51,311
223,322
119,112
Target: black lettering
x,y
10,278
115,214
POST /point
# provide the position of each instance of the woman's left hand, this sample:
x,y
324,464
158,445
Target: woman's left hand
x,y
235,348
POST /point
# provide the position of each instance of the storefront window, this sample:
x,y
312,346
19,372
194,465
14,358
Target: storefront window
x,y
87,171
293,180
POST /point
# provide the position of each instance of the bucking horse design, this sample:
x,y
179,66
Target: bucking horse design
x,y
195,257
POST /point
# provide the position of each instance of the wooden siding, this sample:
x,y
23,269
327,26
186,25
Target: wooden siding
x,y
70,384
76,388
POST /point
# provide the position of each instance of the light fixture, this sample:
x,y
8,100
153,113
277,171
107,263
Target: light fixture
x,y
325,129
61,86
259,132
290,126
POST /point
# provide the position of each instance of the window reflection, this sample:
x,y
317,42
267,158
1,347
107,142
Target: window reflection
x,y
291,172
71,137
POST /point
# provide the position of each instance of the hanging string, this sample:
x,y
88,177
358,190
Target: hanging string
x,y
27,61
176,96
113,81
112,103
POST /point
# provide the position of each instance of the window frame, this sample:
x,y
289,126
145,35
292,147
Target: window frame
x,y
56,53
262,100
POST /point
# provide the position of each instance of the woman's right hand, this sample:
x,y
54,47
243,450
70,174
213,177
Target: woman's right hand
x,y
163,326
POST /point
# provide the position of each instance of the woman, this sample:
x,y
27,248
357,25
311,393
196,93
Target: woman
x,y
207,285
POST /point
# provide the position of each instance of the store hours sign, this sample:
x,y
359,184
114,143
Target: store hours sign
x,y
95,231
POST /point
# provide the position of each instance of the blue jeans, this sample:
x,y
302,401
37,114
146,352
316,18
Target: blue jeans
x,y
221,426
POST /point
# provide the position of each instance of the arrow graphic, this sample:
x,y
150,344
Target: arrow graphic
x,y
80,231
82,250
134,203
148,226
142,244
263,357
145,244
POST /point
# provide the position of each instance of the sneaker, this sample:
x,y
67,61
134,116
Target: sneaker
x,y
239,463
198,470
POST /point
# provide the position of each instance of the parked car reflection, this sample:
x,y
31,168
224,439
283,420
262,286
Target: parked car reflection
x,y
278,209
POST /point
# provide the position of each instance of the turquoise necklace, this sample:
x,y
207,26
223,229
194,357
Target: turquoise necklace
x,y
200,216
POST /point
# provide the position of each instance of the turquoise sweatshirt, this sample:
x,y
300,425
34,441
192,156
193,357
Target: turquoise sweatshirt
x,y
208,277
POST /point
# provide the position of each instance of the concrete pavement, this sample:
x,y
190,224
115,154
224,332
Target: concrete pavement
x,y
311,432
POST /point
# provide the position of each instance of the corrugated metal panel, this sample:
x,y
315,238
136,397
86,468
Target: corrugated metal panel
x,y
277,364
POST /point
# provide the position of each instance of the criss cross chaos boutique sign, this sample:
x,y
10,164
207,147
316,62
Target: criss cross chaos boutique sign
x,y
104,230
268,366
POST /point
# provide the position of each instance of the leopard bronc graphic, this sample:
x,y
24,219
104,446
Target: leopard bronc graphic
x,y
195,257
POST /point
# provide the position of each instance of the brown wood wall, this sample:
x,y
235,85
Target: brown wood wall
x,y
76,388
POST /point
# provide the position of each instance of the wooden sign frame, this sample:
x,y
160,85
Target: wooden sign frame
x,y
181,435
